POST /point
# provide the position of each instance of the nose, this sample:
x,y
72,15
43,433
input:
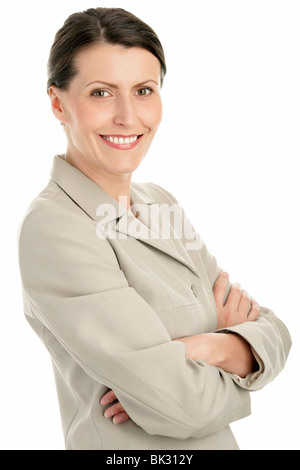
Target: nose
x,y
125,113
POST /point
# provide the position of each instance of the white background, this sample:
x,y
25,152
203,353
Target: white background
x,y
228,149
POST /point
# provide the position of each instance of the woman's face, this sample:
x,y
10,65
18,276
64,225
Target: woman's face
x,y
112,108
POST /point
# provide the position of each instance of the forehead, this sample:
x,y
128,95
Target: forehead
x,y
110,62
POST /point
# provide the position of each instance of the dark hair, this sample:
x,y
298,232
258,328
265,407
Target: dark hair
x,y
110,25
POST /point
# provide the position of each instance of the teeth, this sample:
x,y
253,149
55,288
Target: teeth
x,y
120,140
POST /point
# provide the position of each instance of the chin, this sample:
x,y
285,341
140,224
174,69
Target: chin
x,y
124,166
125,169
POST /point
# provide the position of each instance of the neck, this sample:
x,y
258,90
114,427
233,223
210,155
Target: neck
x,y
116,185
118,190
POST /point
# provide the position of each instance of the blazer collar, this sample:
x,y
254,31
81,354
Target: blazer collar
x,y
89,196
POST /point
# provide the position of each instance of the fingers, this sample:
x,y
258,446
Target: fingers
x,y
116,411
248,307
245,304
235,297
121,418
239,306
242,302
254,312
109,397
220,288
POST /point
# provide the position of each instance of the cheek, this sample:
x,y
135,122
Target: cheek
x,y
152,115
85,117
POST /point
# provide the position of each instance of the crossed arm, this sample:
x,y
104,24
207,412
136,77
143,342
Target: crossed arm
x,y
227,351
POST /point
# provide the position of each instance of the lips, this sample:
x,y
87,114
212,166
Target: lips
x,y
121,142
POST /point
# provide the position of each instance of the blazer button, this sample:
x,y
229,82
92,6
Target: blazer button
x,y
194,290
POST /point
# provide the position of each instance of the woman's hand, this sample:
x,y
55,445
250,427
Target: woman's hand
x,y
239,306
116,411
227,351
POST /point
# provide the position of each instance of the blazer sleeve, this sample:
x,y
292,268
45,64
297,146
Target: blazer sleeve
x,y
77,291
268,337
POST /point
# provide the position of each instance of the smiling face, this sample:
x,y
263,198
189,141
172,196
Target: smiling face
x,y
111,110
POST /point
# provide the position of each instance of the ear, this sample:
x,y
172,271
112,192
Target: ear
x,y
57,104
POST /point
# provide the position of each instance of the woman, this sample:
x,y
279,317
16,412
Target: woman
x,y
152,348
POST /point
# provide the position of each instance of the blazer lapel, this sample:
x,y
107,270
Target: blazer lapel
x,y
149,226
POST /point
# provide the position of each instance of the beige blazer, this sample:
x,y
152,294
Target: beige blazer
x,y
107,292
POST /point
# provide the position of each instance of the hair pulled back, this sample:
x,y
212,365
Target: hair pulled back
x,y
109,25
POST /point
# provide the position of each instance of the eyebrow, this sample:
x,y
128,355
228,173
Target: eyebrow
x,y
111,85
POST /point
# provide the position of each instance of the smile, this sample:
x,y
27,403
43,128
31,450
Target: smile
x,y
121,142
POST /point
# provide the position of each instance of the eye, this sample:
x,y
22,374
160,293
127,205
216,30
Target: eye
x,y
100,93
145,91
